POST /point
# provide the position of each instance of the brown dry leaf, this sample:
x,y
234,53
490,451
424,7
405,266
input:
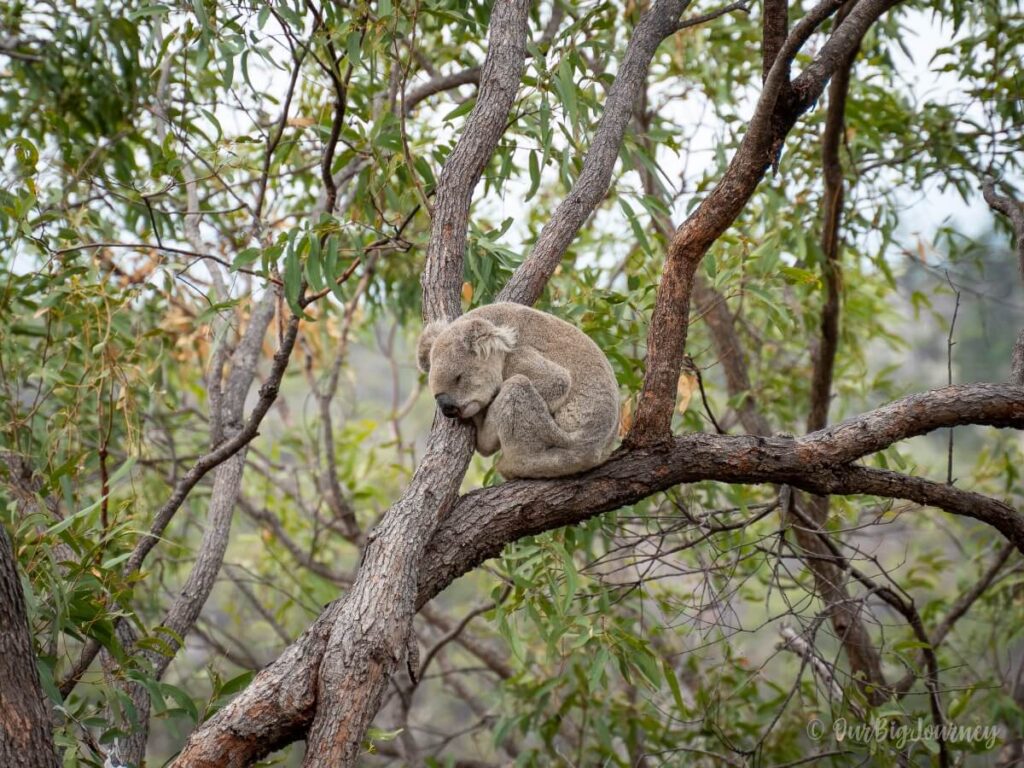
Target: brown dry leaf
x,y
685,389
625,417
177,321
301,122
467,292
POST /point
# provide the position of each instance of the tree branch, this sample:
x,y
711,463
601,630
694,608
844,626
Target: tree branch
x,y
775,29
279,704
369,636
776,113
528,281
468,76
499,82
1014,211
831,244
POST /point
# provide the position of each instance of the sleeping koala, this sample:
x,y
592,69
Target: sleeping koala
x,y
536,387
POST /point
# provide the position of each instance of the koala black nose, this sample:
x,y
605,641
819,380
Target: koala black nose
x,y
447,405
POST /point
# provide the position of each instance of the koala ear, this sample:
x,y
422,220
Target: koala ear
x,y
430,333
485,338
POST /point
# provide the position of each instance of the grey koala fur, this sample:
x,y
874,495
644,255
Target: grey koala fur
x,y
537,388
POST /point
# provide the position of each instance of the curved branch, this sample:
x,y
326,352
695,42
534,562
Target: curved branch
x,y
468,76
995,405
484,521
776,113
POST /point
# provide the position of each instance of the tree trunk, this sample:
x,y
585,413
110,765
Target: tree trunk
x,y
25,737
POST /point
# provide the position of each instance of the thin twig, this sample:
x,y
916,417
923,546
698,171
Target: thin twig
x,y
949,372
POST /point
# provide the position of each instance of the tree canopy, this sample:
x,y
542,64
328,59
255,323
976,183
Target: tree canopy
x,y
231,532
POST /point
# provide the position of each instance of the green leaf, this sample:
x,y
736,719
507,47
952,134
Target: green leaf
x,y
673,684
463,109
292,279
25,153
314,270
797,276
567,90
246,256
534,175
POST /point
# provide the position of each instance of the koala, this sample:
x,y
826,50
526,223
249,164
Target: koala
x,y
537,388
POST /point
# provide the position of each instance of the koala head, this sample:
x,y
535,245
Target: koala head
x,y
465,361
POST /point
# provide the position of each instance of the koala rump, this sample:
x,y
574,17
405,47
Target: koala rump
x,y
537,388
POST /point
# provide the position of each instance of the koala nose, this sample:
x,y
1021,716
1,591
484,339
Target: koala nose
x,y
447,405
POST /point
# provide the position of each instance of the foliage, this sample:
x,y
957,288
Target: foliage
x,y
163,168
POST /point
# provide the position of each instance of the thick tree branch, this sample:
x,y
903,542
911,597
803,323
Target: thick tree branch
x,y
361,639
484,521
997,405
279,705
528,281
776,113
775,29
499,82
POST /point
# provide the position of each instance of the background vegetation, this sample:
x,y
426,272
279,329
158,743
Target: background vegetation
x,y
183,181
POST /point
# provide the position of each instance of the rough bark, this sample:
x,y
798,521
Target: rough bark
x,y
775,29
484,521
26,739
499,83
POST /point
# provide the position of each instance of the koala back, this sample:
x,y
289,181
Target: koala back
x,y
590,412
